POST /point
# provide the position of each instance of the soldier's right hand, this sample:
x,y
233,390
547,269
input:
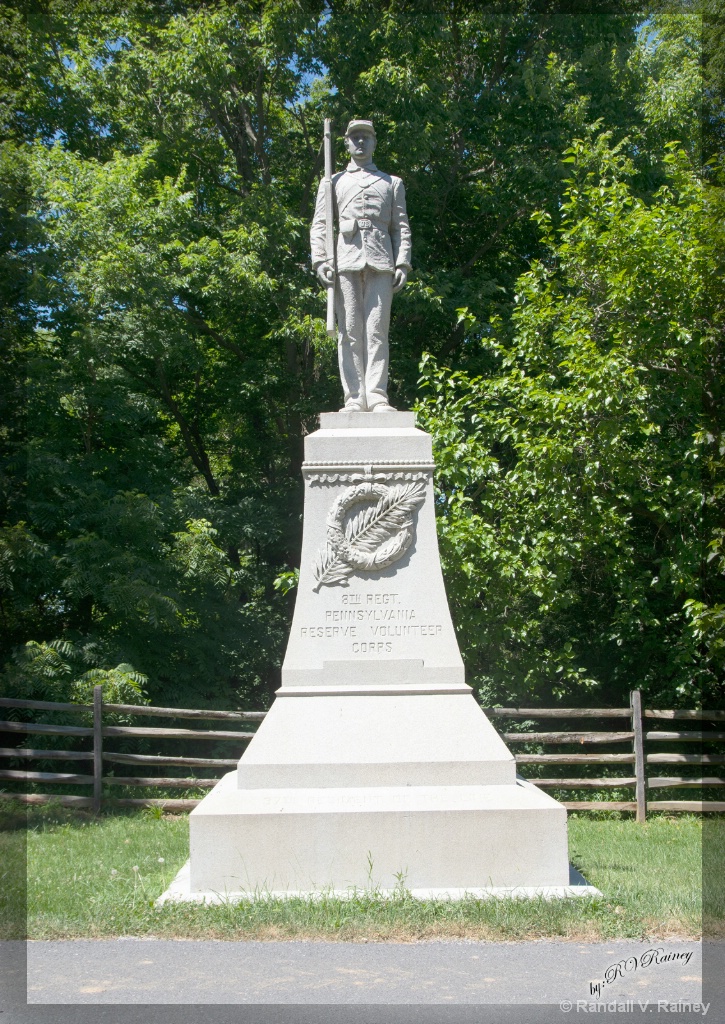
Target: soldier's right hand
x,y
326,274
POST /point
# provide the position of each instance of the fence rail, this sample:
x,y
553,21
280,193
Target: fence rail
x,y
177,734
637,758
99,755
569,737
135,709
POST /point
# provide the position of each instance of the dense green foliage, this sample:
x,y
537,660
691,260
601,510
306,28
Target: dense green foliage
x,y
165,353
571,476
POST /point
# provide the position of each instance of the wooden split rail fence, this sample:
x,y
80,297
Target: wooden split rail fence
x,y
639,757
99,732
645,761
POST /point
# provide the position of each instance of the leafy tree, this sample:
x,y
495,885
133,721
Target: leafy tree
x,y
166,352
165,389
475,104
571,478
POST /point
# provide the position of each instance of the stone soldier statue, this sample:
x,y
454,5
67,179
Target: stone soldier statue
x,y
373,259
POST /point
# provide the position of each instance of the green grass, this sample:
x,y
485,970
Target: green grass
x,y
95,878
12,874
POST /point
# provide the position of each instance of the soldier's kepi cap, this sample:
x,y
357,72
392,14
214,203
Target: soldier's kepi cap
x,y
359,125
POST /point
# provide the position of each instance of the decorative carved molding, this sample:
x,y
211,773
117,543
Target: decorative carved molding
x,y
355,478
354,472
387,463
374,536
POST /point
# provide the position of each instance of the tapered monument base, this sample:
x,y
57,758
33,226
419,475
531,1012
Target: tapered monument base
x,y
375,768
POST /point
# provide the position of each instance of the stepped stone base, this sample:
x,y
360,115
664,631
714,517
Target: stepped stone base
x,y
423,837
375,767
376,739
180,892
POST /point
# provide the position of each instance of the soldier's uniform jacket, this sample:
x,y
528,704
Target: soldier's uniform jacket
x,y
373,222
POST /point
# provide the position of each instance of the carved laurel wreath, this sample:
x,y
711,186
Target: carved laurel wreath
x,y
374,537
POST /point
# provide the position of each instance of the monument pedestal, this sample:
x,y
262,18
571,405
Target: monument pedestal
x,y
375,767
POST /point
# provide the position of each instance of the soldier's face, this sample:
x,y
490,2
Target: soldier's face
x,y
360,145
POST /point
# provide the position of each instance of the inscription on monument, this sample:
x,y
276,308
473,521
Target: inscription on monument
x,y
374,619
328,631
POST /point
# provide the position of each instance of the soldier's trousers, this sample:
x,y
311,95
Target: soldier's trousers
x,y
362,306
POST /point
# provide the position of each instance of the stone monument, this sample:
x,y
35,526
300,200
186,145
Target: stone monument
x,y
375,766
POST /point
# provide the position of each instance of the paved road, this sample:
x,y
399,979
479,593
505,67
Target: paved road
x,y
142,981
162,971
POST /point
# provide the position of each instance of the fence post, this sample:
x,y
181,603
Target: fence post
x,y
97,748
635,703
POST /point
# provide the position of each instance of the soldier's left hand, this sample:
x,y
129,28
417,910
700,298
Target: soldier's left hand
x,y
401,276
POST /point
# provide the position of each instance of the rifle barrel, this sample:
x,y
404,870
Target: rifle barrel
x,y
328,148
329,225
